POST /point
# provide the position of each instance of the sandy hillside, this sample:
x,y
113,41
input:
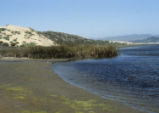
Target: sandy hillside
x,y
18,36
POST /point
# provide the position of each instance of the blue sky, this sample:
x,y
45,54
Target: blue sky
x,y
90,18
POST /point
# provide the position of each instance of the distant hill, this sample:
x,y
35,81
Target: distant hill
x,y
127,38
152,39
70,39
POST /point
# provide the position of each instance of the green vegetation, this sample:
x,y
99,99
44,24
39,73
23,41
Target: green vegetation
x,y
15,32
3,44
27,96
2,29
29,33
69,46
6,37
77,52
14,43
14,52
26,45
69,39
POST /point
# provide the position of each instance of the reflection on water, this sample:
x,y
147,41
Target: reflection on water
x,y
132,78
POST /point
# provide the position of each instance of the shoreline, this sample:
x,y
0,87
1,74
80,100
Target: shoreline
x,y
31,86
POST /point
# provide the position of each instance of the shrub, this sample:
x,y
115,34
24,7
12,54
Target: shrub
x,y
13,44
6,37
26,45
3,44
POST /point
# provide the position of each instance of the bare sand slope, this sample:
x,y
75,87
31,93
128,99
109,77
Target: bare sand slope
x,y
22,36
31,87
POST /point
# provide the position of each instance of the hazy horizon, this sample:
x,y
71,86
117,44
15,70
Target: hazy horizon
x,y
87,18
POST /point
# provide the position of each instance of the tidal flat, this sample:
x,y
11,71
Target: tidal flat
x,y
28,86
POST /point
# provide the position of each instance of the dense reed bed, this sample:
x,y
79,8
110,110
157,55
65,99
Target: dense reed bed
x,y
79,52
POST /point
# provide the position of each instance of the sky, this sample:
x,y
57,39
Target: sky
x,y
89,18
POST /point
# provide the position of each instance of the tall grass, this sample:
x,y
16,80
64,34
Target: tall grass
x,y
14,52
79,52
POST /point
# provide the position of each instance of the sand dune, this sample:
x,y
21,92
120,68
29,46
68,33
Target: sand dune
x,y
19,36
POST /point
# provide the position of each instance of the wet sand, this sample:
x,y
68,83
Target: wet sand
x,y
30,86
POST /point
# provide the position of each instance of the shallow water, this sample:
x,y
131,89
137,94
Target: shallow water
x,y
131,78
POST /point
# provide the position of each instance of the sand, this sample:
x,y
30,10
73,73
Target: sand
x,y
30,86
23,35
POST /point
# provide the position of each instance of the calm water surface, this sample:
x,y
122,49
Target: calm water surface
x,y
132,78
